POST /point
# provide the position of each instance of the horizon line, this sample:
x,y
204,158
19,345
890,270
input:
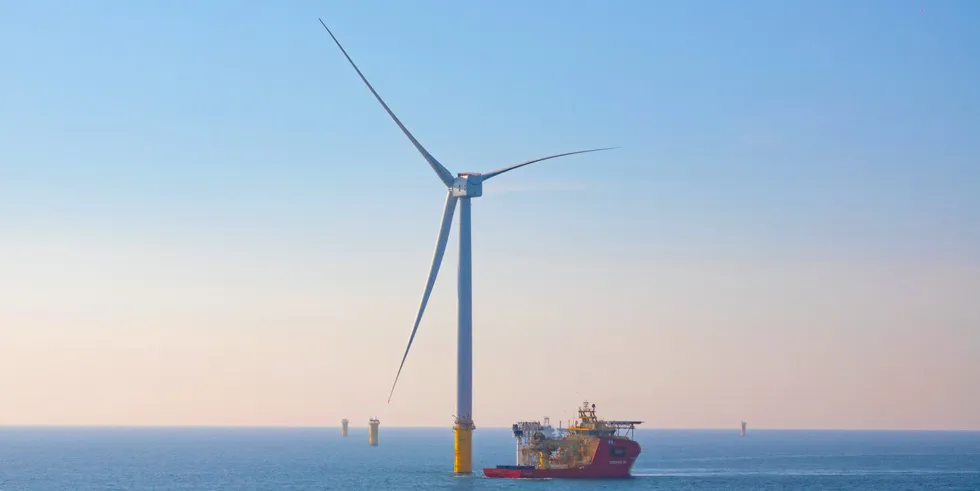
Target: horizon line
x,y
428,427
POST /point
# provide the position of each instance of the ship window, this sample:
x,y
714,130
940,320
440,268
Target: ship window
x,y
617,451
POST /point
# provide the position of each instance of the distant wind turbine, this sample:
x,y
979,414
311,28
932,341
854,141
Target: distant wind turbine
x,y
461,188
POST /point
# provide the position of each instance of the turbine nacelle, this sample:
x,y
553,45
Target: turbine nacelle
x,y
467,185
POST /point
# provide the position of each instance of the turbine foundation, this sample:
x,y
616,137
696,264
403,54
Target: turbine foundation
x,y
463,462
373,432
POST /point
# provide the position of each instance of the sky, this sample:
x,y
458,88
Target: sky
x,y
206,218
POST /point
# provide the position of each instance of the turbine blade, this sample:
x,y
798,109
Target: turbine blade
x,y
497,172
442,172
447,223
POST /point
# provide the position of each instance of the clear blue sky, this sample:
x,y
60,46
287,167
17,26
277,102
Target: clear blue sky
x,y
855,117
767,131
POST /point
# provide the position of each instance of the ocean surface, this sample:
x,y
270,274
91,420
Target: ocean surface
x,y
165,459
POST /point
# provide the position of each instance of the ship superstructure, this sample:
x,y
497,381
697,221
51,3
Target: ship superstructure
x,y
546,428
589,448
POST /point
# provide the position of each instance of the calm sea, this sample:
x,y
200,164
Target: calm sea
x,y
81,459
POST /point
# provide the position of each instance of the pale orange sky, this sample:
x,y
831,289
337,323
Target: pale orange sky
x,y
128,335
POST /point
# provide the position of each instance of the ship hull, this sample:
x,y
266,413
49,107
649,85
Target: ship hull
x,y
602,467
574,473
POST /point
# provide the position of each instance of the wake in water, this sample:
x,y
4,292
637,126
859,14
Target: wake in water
x,y
701,472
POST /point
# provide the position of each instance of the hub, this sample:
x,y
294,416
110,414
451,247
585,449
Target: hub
x,y
468,185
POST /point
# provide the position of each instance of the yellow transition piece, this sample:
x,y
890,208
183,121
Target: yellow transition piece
x,y
463,463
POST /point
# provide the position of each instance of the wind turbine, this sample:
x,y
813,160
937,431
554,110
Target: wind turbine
x,y
461,188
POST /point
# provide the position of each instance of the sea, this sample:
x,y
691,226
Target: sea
x,y
219,459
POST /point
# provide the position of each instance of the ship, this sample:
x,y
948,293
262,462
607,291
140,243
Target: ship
x,y
590,448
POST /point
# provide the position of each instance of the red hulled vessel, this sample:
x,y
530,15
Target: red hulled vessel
x,y
588,449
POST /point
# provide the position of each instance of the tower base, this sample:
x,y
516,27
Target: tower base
x,y
463,461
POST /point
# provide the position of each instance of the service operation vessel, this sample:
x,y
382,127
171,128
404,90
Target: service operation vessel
x,y
588,448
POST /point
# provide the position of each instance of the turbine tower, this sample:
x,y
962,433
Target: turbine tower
x,y
461,188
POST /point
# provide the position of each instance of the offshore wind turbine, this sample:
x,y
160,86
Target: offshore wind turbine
x,y
461,188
